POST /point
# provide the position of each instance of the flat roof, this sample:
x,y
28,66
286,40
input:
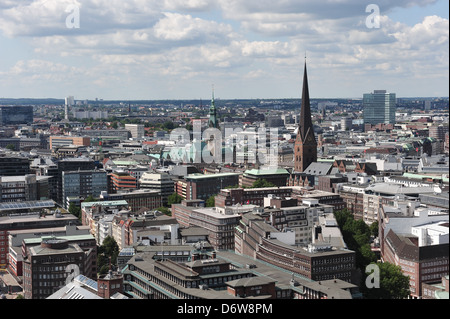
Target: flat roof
x,y
105,203
27,205
208,176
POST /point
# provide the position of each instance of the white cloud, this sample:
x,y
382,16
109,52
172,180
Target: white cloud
x,y
135,41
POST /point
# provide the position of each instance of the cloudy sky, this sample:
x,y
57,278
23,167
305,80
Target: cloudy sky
x,y
178,49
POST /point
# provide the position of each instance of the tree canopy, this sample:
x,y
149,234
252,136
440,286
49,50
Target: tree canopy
x,y
211,201
174,198
356,233
107,252
261,183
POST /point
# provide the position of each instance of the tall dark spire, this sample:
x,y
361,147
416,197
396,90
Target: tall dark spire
x,y
305,122
305,147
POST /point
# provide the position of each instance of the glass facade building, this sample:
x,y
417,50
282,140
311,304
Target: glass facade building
x,y
379,107
10,115
83,183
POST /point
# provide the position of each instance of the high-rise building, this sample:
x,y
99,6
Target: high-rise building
x,y
161,182
14,166
379,107
83,183
305,148
69,101
136,130
71,164
16,115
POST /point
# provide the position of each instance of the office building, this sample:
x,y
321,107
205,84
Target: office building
x,y
121,181
379,107
13,115
324,259
14,166
136,130
417,240
48,266
71,164
16,241
136,199
160,182
220,275
58,141
202,186
219,223
23,188
27,221
277,176
83,184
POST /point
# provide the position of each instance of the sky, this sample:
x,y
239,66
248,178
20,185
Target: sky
x,y
245,49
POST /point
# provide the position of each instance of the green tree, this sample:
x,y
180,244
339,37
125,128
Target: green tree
x,y
211,201
11,147
168,125
107,253
90,198
75,210
261,183
393,284
165,211
174,199
356,234
374,229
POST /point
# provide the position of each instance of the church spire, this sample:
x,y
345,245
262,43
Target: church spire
x,y
212,112
305,122
305,147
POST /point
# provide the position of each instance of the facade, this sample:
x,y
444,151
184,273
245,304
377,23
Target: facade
x,y
305,147
202,186
58,141
438,132
137,199
48,267
16,241
14,166
160,182
82,184
379,107
417,242
28,221
136,130
122,182
318,261
71,164
12,115
219,224
99,216
23,188
221,275
278,176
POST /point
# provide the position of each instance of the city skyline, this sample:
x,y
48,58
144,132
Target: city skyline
x,y
154,50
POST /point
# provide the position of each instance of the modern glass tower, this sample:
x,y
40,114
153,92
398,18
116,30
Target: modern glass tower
x,y
379,107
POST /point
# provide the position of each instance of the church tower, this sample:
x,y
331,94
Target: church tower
x,y
305,149
212,122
